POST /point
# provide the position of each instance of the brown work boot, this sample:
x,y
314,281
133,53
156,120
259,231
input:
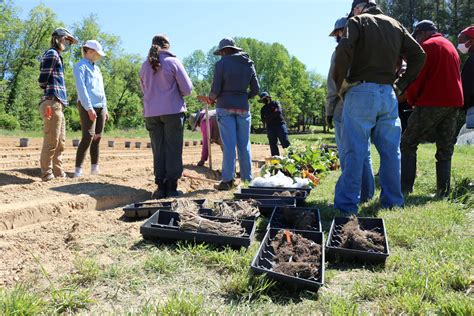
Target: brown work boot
x,y
225,186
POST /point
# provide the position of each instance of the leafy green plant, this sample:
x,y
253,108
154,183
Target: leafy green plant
x,y
20,301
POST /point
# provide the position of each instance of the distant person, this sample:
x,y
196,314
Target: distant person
x,y
404,109
234,73
272,115
92,104
164,83
366,58
198,121
466,46
53,102
437,97
334,105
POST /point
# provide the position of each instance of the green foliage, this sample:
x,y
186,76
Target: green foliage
x,y
182,303
86,271
8,122
20,301
70,300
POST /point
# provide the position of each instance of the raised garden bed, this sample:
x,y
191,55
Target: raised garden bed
x,y
299,263
299,218
299,195
146,209
368,244
165,226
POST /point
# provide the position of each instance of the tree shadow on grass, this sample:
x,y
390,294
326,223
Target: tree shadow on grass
x,y
9,179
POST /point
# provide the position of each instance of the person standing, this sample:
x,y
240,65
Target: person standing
x,y
334,105
198,120
164,83
53,102
437,97
92,104
364,73
234,73
466,46
272,116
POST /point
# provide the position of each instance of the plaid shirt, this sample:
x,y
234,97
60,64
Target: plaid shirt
x,y
51,78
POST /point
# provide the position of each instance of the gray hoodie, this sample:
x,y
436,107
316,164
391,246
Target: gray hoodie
x,y
333,100
233,75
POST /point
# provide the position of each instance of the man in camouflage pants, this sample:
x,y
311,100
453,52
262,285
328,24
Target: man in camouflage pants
x,y
437,97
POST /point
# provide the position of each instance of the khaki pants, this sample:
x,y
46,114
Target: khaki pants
x,y
54,139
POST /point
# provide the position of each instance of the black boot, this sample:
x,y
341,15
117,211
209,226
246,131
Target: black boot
x,y
408,173
161,191
172,187
443,178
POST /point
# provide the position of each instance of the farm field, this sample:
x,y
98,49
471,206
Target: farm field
x,y
66,247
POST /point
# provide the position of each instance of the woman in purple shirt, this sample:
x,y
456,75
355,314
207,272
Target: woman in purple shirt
x,y
164,83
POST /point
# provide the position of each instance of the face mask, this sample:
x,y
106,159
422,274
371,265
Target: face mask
x,y
338,38
463,48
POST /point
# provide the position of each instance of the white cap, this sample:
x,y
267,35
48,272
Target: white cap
x,y
93,44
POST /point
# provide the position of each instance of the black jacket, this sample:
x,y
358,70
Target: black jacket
x,y
468,81
271,114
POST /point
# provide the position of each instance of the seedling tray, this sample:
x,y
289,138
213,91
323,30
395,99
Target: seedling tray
x,y
263,261
308,190
267,206
335,252
279,220
146,209
164,225
210,213
268,194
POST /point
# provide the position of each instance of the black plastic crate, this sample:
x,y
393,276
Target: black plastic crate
x,y
335,252
263,261
146,209
210,213
164,225
266,194
267,206
308,190
282,218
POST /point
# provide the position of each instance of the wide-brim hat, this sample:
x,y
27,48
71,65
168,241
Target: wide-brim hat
x,y
61,31
339,25
263,95
226,43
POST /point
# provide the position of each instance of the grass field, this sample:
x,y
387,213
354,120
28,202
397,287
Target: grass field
x,y
430,269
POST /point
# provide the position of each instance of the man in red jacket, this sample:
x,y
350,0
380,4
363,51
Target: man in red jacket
x,y
437,97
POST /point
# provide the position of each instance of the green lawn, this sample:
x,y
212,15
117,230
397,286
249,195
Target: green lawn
x,y
430,269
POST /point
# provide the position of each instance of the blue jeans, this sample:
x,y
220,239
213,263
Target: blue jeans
x,y
275,133
234,129
368,184
370,112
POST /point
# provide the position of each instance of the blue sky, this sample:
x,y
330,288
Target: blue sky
x,y
301,25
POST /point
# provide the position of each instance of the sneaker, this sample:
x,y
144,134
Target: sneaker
x,y
78,172
47,178
225,186
94,169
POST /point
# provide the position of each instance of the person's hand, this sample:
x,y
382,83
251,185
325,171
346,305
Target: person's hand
x,y
48,112
106,115
92,115
329,120
206,99
97,136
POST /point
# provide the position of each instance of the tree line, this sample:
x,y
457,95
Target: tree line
x,y
22,43
301,92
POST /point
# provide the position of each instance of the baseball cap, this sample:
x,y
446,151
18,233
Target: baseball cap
x,y
424,26
95,45
468,31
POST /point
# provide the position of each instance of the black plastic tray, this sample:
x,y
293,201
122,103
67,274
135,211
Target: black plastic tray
x,y
278,219
146,209
334,252
268,194
207,212
267,206
262,262
308,190
163,225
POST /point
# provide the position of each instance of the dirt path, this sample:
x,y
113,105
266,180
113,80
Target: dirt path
x,y
44,222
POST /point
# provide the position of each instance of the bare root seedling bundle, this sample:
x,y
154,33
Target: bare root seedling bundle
x,y
237,209
295,255
191,221
353,237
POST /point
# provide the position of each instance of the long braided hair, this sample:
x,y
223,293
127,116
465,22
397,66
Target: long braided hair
x,y
158,43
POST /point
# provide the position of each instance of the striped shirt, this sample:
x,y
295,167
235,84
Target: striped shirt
x,y
51,78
